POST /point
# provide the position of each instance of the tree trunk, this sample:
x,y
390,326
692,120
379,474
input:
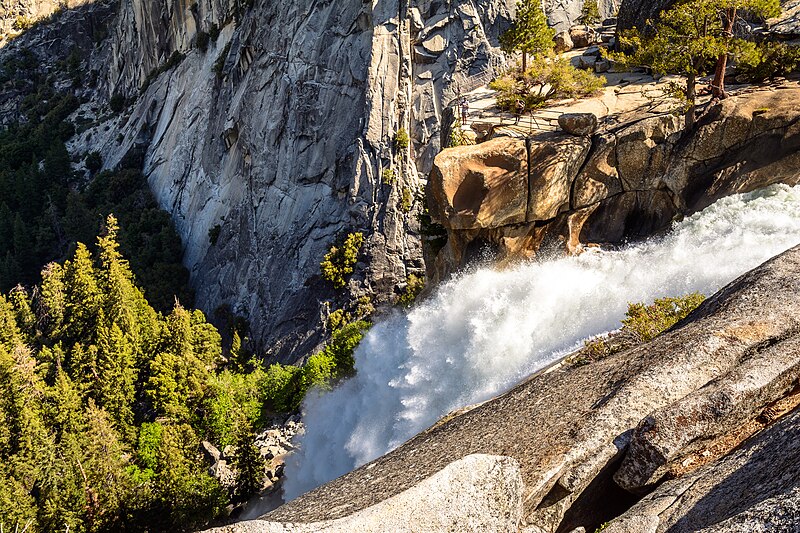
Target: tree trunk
x,y
691,96
718,85
524,62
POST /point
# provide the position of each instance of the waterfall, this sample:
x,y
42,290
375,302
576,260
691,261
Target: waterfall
x,y
484,331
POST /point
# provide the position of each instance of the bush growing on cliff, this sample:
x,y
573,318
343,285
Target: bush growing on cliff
x,y
762,61
590,13
546,79
339,261
414,286
642,323
401,140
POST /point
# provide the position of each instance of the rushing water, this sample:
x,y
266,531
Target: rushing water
x,y
484,331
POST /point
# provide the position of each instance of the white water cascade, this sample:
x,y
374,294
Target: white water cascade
x,y
483,332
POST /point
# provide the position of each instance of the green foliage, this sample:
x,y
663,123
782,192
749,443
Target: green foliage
x,y
648,321
388,176
406,200
414,286
340,260
765,60
94,162
642,323
530,33
234,401
402,140
689,39
45,209
249,464
86,365
202,41
546,78
457,136
337,319
590,13
23,23
285,387
117,103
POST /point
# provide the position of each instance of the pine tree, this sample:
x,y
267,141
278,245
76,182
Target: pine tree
x,y
729,12
590,13
530,33
103,466
83,297
687,38
51,303
117,376
249,465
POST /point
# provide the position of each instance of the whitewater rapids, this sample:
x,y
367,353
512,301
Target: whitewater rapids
x,y
484,331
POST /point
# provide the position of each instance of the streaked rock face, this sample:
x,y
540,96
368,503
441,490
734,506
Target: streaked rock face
x,y
280,133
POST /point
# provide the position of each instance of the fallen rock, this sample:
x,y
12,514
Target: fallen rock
x,y
581,124
582,36
752,489
475,493
602,65
210,452
563,42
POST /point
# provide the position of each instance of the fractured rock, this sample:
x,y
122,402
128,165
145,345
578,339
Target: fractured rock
x,y
754,488
563,42
670,433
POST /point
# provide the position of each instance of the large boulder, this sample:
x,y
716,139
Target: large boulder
x,y
580,124
482,186
563,42
636,178
568,445
504,181
476,493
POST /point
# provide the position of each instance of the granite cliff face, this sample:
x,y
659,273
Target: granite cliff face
x,y
273,125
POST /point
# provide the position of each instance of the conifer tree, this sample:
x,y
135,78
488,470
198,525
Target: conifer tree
x,y
51,300
103,465
117,376
730,11
83,296
687,38
590,13
249,465
530,33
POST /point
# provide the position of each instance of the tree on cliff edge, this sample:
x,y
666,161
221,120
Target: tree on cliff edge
x,y
688,39
530,33
730,11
